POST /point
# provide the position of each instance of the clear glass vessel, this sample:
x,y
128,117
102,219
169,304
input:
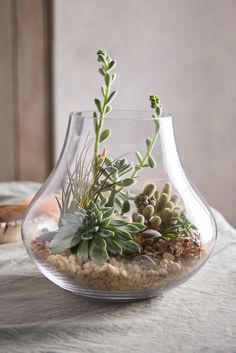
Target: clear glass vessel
x,y
128,228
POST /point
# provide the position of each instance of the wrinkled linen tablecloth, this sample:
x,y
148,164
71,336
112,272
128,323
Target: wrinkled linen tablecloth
x,y
199,316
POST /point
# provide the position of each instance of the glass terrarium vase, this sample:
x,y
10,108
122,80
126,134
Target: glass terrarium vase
x,y
118,219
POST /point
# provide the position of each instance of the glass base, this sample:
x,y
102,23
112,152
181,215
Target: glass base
x,y
64,282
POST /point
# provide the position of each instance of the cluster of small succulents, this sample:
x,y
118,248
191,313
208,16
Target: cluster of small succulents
x,y
161,213
157,209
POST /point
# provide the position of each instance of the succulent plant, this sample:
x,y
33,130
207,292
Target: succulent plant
x,y
96,234
160,212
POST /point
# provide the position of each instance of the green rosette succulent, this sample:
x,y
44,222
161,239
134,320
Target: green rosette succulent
x,y
96,234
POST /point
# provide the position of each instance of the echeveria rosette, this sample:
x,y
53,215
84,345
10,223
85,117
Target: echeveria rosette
x,y
96,234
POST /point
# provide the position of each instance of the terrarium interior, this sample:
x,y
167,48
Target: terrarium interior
x,y
117,214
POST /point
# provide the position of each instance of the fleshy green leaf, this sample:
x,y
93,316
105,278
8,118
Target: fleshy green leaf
x,y
108,109
126,207
112,65
126,182
122,234
103,89
111,96
124,195
108,162
98,104
104,135
82,252
149,142
118,202
98,252
151,162
108,213
104,223
139,157
129,246
60,245
131,228
93,207
118,222
113,77
140,226
87,235
105,233
113,247
102,72
107,79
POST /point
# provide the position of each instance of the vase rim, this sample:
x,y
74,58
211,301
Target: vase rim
x,y
122,114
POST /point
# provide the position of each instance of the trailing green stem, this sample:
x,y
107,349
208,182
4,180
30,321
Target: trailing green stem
x,y
103,108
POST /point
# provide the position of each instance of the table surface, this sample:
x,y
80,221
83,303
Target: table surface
x,y
198,316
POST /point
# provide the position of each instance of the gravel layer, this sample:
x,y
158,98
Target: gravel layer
x,y
148,270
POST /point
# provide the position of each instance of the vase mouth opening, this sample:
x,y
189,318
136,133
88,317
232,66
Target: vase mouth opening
x,y
121,115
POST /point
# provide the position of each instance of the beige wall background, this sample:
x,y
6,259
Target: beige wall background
x,y
25,90
185,51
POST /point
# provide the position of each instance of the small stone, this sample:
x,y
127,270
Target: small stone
x,y
46,236
148,253
168,256
145,262
163,272
175,267
156,246
148,248
147,241
113,270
